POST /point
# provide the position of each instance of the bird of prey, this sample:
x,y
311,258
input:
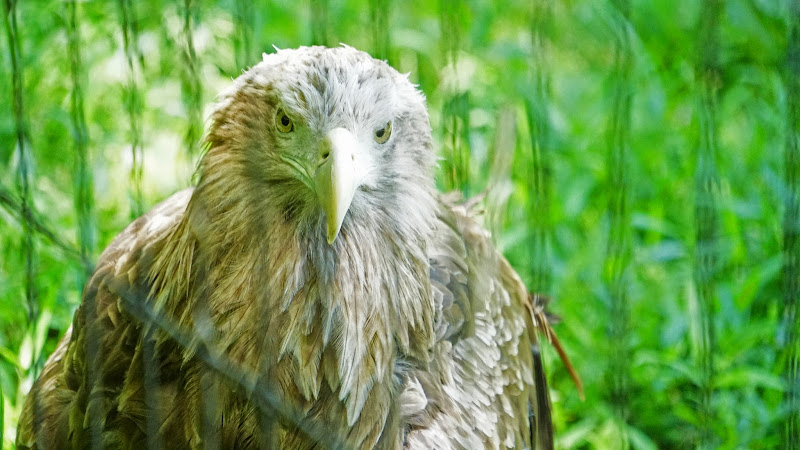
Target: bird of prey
x,y
312,291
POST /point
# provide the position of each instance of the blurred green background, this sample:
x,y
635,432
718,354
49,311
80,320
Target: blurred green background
x,y
640,159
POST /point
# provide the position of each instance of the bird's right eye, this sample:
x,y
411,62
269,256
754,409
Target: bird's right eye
x,y
382,135
283,123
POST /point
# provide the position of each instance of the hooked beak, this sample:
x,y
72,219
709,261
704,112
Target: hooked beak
x,y
337,177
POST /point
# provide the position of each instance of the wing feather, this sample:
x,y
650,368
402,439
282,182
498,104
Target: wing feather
x,y
94,389
486,386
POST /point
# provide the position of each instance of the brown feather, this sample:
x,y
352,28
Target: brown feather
x,y
223,318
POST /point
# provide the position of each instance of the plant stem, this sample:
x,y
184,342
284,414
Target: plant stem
x,y
23,169
618,253
244,33
536,107
379,12
319,22
133,105
791,235
83,184
456,108
190,84
706,220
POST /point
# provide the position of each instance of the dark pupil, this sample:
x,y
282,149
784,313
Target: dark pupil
x,y
284,120
380,132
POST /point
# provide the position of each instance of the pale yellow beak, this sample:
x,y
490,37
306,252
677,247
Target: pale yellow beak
x,y
337,177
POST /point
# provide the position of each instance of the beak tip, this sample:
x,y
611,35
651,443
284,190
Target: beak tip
x,y
337,179
332,235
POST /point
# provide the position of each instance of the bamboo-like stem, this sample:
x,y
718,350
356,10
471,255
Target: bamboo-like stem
x,y
23,169
83,185
706,220
319,22
190,84
379,12
244,16
133,104
536,108
791,236
618,253
455,112
500,184
2,416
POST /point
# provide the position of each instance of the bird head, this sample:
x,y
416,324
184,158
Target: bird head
x,y
328,139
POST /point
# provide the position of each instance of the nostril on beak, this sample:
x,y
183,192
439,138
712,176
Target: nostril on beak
x,y
324,153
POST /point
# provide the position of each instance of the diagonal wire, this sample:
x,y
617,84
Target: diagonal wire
x,y
38,224
264,396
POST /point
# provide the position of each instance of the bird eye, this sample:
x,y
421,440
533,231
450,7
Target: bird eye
x,y
283,123
382,135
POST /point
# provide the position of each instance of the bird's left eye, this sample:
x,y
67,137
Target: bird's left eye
x,y
382,134
282,122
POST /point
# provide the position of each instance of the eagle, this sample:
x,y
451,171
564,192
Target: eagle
x,y
313,290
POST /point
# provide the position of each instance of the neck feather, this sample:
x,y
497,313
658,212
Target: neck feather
x,y
327,322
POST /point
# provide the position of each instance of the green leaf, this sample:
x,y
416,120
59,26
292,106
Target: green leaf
x,y
749,377
2,419
10,357
639,440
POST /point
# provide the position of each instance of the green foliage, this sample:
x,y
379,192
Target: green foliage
x,y
634,155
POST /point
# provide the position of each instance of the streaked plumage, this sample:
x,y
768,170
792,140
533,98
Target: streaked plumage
x,y
408,329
